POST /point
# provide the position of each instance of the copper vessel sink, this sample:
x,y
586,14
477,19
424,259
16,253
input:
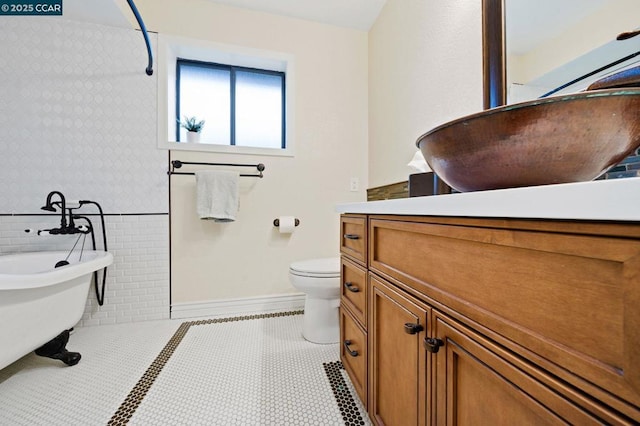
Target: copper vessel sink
x,y
560,139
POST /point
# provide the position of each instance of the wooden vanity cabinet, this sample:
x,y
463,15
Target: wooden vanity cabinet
x,y
521,321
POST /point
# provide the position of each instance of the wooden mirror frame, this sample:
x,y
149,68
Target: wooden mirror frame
x,y
493,54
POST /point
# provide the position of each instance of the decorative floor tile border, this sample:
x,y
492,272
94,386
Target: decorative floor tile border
x,y
139,391
346,404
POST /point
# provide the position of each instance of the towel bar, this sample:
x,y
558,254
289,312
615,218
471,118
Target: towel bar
x,y
176,164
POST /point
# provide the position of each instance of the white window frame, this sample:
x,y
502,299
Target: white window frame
x,y
170,48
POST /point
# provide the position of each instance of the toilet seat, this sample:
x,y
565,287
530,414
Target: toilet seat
x,y
317,268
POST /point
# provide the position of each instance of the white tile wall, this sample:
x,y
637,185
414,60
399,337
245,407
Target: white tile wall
x,y
137,286
78,114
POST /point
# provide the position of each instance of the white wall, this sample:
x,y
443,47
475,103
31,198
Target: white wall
x,y
248,258
425,68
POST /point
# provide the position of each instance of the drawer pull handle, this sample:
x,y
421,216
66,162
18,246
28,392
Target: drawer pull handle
x,y
351,287
346,346
411,328
352,236
433,345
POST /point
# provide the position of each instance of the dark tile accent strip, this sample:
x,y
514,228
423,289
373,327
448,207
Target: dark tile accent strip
x,y
350,412
389,192
139,391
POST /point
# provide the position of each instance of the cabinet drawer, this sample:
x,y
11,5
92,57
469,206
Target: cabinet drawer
x,y
353,230
554,293
353,353
354,290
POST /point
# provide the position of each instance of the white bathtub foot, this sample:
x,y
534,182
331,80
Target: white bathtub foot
x,y
56,349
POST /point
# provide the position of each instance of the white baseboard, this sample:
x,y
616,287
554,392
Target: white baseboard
x,y
241,306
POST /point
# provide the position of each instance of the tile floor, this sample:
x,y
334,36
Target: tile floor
x,y
254,370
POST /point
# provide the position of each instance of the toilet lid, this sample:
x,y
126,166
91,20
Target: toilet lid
x,y
327,267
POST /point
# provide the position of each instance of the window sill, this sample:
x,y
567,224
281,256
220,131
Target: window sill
x,y
225,149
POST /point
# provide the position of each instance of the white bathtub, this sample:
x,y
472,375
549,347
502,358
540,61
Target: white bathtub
x,y
38,301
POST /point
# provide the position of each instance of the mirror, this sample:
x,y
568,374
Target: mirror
x,y
551,47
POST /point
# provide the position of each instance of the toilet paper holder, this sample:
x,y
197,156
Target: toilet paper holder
x,y
276,222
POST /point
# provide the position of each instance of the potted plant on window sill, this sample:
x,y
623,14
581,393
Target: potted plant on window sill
x,y
193,128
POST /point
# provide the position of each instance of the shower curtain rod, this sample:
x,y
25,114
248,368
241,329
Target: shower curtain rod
x,y
134,9
176,164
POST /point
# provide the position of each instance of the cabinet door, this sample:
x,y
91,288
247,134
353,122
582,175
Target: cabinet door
x,y
398,365
474,385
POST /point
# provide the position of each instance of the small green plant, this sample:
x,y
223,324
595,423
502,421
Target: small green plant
x,y
191,124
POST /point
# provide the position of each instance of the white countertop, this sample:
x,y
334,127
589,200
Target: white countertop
x,y
616,199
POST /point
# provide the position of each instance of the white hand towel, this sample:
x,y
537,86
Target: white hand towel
x,y
217,195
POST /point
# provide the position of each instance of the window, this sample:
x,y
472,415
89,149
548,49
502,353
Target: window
x,y
245,95
241,106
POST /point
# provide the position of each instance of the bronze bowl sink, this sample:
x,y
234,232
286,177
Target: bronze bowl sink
x,y
559,139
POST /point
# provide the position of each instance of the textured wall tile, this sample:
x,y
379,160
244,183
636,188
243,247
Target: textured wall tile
x,y
78,115
135,291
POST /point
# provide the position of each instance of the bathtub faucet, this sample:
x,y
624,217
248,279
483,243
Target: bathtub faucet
x,y
66,227
49,207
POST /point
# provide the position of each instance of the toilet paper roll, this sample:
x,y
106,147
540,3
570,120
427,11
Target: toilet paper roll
x,y
287,224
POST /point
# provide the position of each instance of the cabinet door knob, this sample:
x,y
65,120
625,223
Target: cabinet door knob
x,y
346,347
351,287
411,328
352,236
433,345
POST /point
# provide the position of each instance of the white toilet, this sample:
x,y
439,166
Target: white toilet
x,y
319,279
